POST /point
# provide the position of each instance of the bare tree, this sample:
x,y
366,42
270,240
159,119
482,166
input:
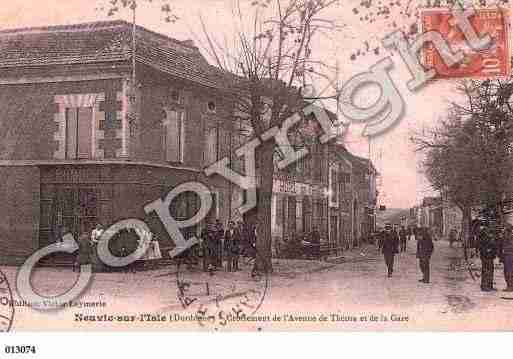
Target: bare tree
x,y
273,60
114,7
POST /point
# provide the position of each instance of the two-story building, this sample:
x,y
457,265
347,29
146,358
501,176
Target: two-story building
x,y
365,197
341,196
88,138
300,198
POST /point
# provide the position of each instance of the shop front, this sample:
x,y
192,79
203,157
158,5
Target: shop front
x,y
75,198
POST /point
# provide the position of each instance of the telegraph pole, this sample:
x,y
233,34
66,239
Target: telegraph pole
x,y
134,30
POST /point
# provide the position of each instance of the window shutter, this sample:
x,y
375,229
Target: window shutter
x,y
224,143
172,138
181,119
71,133
210,145
85,121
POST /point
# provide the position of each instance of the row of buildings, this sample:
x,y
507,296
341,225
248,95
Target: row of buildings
x,y
83,143
437,213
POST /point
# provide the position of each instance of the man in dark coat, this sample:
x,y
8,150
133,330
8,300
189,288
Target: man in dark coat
x,y
248,238
425,249
403,236
209,247
389,248
231,247
205,242
219,235
453,236
506,256
488,252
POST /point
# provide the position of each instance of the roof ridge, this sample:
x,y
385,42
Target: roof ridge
x,y
106,41
64,28
88,26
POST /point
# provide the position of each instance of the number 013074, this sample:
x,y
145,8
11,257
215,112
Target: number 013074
x,y
20,349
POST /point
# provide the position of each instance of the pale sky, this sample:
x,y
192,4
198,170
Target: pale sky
x,y
392,153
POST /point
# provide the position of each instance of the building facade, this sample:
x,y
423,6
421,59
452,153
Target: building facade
x,y
86,142
365,197
300,198
90,138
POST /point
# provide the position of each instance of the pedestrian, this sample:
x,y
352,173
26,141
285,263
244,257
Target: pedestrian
x,y
389,248
453,234
95,236
231,247
205,245
84,252
402,238
488,252
209,237
425,249
506,256
219,235
315,239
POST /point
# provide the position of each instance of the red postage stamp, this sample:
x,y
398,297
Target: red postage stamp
x,y
491,62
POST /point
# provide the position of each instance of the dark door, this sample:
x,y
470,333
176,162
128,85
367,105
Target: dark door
x,y
64,209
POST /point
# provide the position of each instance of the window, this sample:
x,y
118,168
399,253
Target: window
x,y
299,215
242,133
280,211
211,152
79,122
318,162
174,136
175,96
218,142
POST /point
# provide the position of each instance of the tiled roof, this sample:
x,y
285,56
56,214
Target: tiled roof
x,y
108,41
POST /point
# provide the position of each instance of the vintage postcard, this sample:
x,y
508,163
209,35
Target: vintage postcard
x,y
255,165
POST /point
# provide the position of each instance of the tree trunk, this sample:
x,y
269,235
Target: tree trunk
x,y
265,167
466,223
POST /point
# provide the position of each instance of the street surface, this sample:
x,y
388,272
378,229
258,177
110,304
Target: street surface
x,y
350,294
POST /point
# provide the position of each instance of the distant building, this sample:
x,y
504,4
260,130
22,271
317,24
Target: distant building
x,y
365,198
430,214
452,217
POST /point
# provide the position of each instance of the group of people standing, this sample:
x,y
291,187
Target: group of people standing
x,y
220,244
393,242
87,244
489,249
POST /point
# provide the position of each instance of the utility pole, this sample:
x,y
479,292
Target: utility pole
x,y
134,30
230,190
329,191
371,195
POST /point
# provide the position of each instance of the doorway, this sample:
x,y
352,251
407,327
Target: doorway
x,y
68,209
